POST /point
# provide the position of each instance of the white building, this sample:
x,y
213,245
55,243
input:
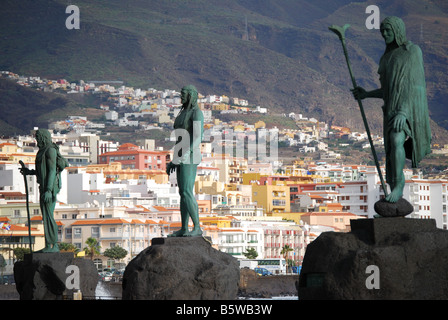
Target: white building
x,y
111,115
429,198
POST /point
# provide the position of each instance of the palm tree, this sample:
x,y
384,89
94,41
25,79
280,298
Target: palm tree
x,y
285,251
92,248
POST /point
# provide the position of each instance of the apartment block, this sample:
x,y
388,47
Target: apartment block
x,y
273,198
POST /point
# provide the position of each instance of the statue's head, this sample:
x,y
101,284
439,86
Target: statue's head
x,y
189,97
43,138
393,29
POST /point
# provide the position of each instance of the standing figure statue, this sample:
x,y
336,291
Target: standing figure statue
x,y
48,167
406,129
189,130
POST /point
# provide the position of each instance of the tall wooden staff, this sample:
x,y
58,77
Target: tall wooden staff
x,y
340,31
27,205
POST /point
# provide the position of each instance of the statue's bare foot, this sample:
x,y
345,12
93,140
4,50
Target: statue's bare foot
x,y
395,195
178,233
193,233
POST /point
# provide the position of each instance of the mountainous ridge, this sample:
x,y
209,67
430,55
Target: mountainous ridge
x,y
291,62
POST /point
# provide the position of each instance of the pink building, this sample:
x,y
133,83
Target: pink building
x,y
131,156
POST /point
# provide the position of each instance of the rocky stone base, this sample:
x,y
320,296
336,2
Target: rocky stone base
x,y
400,208
184,268
54,276
383,258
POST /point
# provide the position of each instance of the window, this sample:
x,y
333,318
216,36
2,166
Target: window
x,y
16,213
278,202
95,232
36,212
77,233
68,233
98,264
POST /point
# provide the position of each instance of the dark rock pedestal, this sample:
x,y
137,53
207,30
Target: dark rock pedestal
x,y
184,268
383,258
54,276
387,209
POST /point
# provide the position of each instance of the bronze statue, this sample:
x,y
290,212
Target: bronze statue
x,y
48,167
189,129
406,128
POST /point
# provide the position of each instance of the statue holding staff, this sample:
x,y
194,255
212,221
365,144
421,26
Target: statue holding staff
x,y
48,167
406,128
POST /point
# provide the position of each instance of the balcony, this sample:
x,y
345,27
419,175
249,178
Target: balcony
x,y
113,235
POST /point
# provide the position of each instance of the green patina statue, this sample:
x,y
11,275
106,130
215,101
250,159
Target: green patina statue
x,y
406,128
189,130
48,167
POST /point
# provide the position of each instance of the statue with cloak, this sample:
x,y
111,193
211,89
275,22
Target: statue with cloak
x,y
48,167
406,128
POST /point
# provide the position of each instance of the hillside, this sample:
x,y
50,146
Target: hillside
x,y
290,62
23,108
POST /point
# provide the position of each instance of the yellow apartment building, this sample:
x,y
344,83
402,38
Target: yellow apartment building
x,y
220,106
231,169
10,152
274,198
221,193
219,222
207,185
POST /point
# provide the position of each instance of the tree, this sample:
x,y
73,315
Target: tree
x,y
20,252
116,253
250,253
93,247
285,251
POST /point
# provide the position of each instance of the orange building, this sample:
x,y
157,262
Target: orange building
x,y
338,220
